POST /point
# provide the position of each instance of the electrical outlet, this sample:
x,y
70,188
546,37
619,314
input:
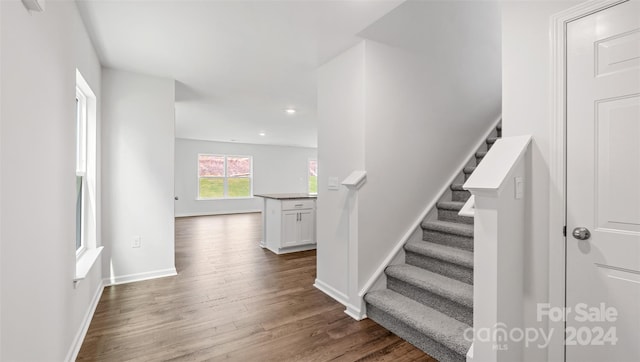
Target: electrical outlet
x,y
136,242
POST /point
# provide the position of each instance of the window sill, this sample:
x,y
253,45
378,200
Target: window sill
x,y
85,262
226,198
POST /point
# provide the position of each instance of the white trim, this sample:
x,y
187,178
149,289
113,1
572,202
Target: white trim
x,y
138,277
355,180
469,207
226,198
290,249
214,213
225,178
557,166
82,115
492,176
86,261
352,310
86,322
332,292
354,306
470,354
403,240
87,166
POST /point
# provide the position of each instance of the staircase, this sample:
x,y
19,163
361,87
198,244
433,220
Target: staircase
x,y
429,299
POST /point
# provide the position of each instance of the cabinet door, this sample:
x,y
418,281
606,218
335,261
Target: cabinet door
x,y
290,235
307,227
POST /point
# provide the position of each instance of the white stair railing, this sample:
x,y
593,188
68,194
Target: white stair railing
x,y
354,182
499,198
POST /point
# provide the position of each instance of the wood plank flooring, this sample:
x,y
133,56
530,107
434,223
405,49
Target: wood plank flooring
x,y
232,300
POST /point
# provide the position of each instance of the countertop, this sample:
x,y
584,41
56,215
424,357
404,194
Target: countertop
x,y
287,196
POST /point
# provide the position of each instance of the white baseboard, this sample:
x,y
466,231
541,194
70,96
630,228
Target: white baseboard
x,y
138,277
332,292
86,322
470,354
213,213
355,313
291,249
352,311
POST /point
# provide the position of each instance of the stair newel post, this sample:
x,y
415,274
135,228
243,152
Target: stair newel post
x,y
498,189
354,182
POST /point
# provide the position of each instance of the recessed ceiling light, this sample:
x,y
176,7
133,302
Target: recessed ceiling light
x,y
290,111
262,133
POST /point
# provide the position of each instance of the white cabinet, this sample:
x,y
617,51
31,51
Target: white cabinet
x,y
298,227
307,227
289,225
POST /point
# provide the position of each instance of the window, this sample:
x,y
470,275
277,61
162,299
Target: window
x,y
81,166
86,239
313,176
221,177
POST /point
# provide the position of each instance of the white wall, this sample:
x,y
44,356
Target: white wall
x,y
341,106
276,169
1,181
138,161
42,313
422,124
527,110
429,93
1,242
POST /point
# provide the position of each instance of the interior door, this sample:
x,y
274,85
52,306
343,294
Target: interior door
x,y
603,186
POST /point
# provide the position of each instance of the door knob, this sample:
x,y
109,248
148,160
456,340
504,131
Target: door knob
x,y
581,233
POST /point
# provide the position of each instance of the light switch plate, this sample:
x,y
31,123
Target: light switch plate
x,y
519,187
333,183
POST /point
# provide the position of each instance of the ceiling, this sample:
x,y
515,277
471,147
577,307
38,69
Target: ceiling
x,y
237,64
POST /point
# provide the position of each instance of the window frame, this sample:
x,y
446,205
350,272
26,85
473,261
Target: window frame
x,y
81,168
225,177
309,175
87,168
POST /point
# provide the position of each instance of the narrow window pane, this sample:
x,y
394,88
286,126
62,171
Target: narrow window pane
x,y
239,187
78,212
78,133
210,166
238,166
211,188
313,176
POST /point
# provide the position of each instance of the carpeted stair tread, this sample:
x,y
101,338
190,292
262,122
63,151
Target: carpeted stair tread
x,y
429,298
450,205
441,328
458,193
469,170
442,252
457,291
447,227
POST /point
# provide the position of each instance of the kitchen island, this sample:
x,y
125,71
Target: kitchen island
x,y
288,222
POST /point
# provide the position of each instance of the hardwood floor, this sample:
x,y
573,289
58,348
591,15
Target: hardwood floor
x,y
232,300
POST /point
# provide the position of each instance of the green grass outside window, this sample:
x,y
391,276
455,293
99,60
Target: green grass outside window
x,y
213,188
313,184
